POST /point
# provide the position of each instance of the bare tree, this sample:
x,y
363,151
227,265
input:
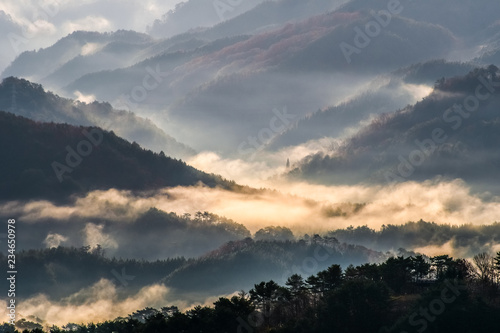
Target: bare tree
x,y
485,271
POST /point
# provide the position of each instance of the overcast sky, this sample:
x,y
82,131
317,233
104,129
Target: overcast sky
x,y
32,24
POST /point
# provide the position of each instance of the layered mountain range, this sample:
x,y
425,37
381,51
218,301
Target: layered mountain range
x,y
288,53
339,120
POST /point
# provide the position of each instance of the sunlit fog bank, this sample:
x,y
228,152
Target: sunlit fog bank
x,y
304,208
100,302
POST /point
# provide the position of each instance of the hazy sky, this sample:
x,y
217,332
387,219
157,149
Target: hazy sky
x,y
30,24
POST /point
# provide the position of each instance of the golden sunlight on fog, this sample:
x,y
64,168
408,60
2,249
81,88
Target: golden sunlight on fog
x,y
97,303
304,208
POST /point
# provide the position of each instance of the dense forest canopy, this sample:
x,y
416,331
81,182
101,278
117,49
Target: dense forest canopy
x,y
440,294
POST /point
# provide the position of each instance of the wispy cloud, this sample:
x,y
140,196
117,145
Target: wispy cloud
x,y
99,302
36,24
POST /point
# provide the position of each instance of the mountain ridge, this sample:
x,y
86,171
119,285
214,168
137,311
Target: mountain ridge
x,y
59,160
31,100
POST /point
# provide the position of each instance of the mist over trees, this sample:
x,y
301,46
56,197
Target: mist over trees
x,y
63,271
152,235
449,144
236,264
465,239
30,100
321,132
290,44
402,293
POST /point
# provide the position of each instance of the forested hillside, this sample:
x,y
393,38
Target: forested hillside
x,y
53,161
